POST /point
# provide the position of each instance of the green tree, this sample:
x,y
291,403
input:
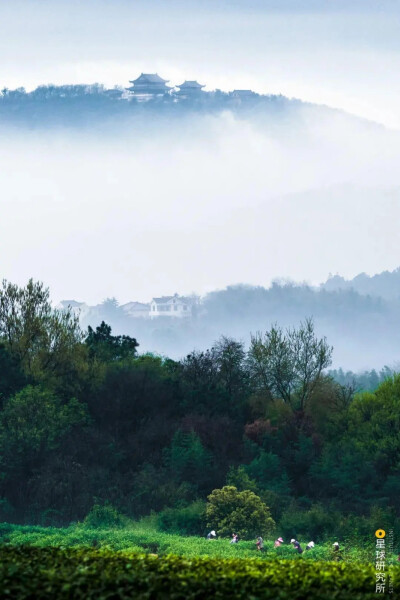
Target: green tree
x,y
267,471
230,358
374,425
315,523
44,341
217,380
108,348
12,378
33,425
289,364
187,458
230,511
360,464
200,382
240,479
34,420
134,403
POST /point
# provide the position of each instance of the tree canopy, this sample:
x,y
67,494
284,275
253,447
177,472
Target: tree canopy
x,y
86,420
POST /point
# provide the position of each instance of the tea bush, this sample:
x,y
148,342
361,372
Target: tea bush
x,y
48,573
143,537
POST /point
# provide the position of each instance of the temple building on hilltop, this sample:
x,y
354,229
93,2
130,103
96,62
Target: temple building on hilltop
x,y
189,89
148,85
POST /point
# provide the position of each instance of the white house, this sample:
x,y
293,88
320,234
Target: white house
x,y
78,309
136,309
170,306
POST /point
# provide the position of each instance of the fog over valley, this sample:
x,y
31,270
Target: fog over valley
x,y
193,204
279,163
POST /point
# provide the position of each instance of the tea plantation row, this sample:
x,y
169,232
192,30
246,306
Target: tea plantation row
x,y
144,537
49,573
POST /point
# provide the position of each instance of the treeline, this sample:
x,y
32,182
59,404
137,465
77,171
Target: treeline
x,y
89,104
85,419
384,285
363,329
363,381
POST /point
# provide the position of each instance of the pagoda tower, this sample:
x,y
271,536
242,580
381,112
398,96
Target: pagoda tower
x,y
148,85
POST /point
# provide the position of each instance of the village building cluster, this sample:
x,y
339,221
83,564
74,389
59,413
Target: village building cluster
x,y
150,85
165,306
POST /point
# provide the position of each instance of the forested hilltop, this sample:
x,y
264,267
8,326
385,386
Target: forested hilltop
x,y
86,419
95,105
383,285
362,327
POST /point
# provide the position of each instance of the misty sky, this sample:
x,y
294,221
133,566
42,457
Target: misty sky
x,y
343,53
218,201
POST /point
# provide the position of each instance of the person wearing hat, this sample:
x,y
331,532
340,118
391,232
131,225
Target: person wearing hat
x,y
211,535
337,555
278,542
296,545
260,544
310,545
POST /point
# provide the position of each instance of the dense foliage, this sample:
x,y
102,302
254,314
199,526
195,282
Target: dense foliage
x,y
244,513
86,420
53,573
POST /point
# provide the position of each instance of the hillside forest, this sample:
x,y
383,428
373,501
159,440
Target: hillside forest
x,y
86,419
359,317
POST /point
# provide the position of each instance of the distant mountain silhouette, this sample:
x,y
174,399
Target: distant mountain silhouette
x,y
384,285
95,105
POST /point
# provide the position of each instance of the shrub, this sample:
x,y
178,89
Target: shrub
x,y
244,513
50,516
190,520
358,529
105,516
315,523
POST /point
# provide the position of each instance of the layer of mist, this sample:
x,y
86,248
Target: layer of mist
x,y
149,199
362,328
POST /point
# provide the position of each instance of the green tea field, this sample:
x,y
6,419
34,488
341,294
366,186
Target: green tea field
x,y
139,561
